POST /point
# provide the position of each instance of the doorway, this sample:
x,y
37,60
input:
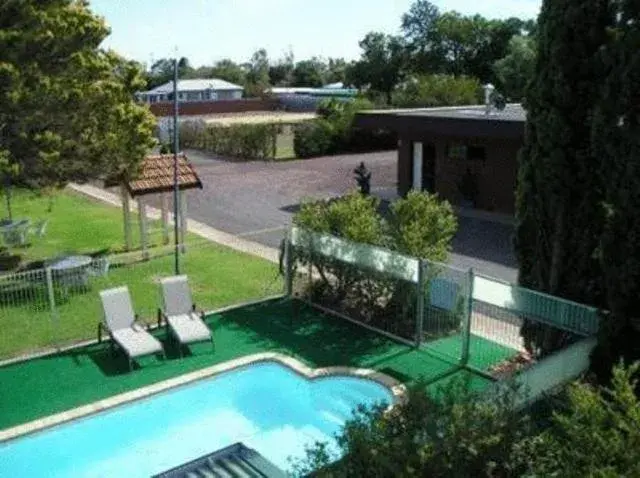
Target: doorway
x,y
423,166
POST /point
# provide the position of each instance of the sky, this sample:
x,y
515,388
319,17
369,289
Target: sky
x,y
205,31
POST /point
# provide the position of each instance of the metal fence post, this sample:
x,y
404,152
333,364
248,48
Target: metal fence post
x,y
288,266
420,303
52,297
466,329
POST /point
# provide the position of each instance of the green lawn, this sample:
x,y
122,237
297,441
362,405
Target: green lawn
x,y
284,144
32,389
218,275
76,224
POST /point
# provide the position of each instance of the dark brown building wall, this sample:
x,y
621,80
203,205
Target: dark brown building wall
x,y
213,107
496,174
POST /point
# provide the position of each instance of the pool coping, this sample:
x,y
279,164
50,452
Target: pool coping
x,y
398,390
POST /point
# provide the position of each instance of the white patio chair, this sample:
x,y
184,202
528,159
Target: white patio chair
x,y
39,229
179,312
123,327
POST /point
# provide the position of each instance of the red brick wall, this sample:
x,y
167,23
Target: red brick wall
x,y
213,107
496,174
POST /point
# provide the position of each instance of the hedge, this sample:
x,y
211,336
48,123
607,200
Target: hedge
x,y
319,138
243,141
334,132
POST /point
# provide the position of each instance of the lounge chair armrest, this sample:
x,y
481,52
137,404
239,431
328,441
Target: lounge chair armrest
x,y
197,311
100,327
161,317
140,323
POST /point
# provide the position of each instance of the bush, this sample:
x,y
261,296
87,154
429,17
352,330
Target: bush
x,y
244,141
333,132
598,434
376,298
314,138
437,90
456,433
452,433
423,226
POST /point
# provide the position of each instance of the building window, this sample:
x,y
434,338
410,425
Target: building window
x,y
466,152
457,151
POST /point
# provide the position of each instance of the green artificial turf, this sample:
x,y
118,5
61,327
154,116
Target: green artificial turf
x,y
48,385
482,352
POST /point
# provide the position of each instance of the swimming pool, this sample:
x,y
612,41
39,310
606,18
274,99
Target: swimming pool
x,y
267,406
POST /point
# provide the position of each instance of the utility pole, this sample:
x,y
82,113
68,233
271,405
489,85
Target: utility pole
x,y
176,185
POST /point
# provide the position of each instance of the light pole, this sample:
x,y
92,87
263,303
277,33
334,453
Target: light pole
x,y
176,185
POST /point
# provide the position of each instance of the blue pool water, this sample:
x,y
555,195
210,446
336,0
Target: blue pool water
x,y
267,406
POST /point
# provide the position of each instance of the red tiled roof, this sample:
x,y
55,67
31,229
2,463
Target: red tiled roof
x,y
156,175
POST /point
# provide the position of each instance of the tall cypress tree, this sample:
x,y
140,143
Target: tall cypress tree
x,y
616,138
560,190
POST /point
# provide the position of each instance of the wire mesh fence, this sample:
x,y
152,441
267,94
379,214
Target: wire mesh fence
x,y
468,319
444,323
365,284
59,305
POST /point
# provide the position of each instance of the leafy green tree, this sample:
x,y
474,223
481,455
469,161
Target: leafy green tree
x,y
257,79
309,73
161,71
516,69
67,109
436,90
457,44
419,25
230,71
598,435
471,44
616,139
451,432
281,73
336,70
560,190
381,65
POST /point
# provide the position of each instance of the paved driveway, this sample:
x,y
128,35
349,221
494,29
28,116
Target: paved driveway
x,y
256,200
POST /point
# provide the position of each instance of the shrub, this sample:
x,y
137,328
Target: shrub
x,y
423,226
354,217
597,435
437,90
314,138
451,433
375,297
244,141
334,132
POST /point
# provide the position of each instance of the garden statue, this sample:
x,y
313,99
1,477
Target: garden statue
x,y
363,178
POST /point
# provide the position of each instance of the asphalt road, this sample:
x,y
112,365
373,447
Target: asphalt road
x,y
256,200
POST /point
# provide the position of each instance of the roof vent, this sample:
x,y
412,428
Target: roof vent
x,y
488,91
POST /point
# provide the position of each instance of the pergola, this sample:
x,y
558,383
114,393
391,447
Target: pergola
x,y
155,177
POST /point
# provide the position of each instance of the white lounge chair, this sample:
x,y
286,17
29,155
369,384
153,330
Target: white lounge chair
x,y
179,312
123,327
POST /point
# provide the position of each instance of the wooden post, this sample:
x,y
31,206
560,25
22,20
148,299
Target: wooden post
x,y
164,216
183,219
142,211
126,213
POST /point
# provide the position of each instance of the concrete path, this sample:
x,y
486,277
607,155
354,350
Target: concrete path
x,y
207,232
